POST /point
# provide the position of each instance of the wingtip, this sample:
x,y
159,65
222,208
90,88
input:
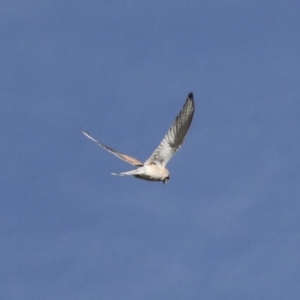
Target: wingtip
x,y
85,133
190,100
89,136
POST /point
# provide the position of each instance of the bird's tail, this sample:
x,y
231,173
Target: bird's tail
x,y
131,173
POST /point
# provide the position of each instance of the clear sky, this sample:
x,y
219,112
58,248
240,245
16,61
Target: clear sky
x,y
226,226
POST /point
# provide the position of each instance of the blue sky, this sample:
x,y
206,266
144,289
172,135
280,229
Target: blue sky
x,y
226,226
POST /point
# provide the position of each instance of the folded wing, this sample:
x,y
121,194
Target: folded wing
x,y
175,135
127,158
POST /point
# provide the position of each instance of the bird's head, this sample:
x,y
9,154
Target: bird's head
x,y
166,176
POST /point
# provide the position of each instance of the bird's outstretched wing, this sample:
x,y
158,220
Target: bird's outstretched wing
x,y
175,135
127,158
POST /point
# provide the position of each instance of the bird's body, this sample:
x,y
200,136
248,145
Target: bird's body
x,y
154,169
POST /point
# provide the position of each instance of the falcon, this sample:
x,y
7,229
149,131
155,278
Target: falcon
x,y
154,168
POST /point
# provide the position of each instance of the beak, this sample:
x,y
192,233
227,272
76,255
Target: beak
x,y
165,181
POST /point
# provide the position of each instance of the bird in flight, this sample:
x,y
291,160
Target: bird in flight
x,y
154,168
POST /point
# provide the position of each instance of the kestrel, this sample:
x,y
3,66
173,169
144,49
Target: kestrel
x,y
154,168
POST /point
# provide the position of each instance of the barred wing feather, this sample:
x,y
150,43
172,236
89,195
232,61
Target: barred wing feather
x,y
175,135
